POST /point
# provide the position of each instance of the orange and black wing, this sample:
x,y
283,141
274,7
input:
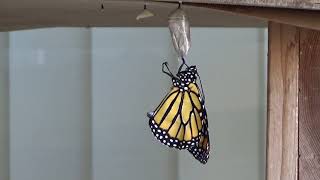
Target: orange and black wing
x,y
176,122
201,150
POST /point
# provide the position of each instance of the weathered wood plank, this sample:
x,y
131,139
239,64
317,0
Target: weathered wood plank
x,y
295,4
309,106
301,18
72,13
282,143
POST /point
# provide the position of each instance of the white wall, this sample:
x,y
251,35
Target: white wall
x,y
231,63
79,97
50,106
127,83
4,106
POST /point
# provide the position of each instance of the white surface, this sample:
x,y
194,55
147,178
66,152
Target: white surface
x,y
127,82
231,63
50,123
79,98
4,106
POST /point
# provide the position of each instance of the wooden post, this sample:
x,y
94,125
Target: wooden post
x,y
283,67
309,105
293,103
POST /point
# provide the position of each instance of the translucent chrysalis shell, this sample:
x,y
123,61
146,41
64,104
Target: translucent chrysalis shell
x,y
180,32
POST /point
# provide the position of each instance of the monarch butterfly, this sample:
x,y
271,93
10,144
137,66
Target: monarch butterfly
x,y
180,120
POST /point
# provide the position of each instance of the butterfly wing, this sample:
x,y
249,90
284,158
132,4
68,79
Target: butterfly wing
x,y
201,150
176,122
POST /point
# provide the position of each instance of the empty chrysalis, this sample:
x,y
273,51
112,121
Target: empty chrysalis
x,y
145,13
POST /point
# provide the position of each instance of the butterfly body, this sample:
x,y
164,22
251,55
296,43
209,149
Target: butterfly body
x,y
180,120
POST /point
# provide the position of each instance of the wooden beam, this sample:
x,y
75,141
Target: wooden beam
x,y
309,106
282,138
296,4
301,18
115,14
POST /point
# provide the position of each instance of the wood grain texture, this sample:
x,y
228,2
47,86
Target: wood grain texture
x,y
294,4
300,18
282,143
309,106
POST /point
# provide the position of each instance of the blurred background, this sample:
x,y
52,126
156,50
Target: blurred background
x,y
73,103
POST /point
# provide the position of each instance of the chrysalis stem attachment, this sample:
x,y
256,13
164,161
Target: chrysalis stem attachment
x,y
102,7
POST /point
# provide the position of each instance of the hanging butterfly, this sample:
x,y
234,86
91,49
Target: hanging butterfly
x,y
180,120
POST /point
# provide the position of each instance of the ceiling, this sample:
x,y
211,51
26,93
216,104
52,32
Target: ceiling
x,y
24,14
